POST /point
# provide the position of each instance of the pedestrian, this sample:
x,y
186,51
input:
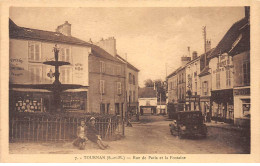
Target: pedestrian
x,y
93,135
129,124
81,139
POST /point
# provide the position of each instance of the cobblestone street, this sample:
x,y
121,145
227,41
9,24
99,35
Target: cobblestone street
x,y
151,135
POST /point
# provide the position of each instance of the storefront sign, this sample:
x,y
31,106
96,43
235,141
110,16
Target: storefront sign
x,y
16,67
245,91
224,63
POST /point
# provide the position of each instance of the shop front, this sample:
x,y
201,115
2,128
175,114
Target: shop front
x,y
222,105
40,100
205,107
242,107
29,100
193,103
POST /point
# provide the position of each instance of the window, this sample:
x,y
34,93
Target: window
x,y
195,90
205,87
189,81
35,74
130,96
228,77
108,108
64,54
117,108
102,108
133,96
130,78
119,88
34,51
183,93
102,86
118,70
195,74
218,80
102,67
246,72
133,79
246,107
65,75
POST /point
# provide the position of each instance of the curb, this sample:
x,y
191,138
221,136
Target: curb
x,y
226,128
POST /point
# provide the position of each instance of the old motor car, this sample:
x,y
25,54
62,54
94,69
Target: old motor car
x,y
188,123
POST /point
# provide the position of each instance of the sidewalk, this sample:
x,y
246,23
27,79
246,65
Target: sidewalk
x,y
225,126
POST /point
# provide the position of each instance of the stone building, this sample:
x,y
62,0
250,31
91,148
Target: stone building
x,y
29,77
113,80
131,86
240,52
205,84
193,83
147,99
224,72
106,83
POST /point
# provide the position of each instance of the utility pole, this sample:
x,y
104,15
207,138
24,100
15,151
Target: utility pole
x,y
166,69
189,51
205,44
125,98
160,101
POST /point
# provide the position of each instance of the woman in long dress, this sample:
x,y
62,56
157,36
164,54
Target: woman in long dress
x,y
93,134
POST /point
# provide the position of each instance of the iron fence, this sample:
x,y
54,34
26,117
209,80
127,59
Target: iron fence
x,y
46,128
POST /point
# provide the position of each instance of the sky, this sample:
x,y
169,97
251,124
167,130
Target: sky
x,y
152,38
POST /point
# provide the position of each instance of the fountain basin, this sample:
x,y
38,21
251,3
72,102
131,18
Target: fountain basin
x,y
56,63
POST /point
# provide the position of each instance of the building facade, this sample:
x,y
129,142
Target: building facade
x,y
29,48
241,60
147,100
222,88
113,80
106,83
193,83
131,86
223,73
205,84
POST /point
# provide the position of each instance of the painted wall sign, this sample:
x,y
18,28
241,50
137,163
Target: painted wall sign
x,y
245,91
16,67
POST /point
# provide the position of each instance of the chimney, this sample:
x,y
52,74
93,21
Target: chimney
x,y
194,55
247,12
208,45
185,60
109,45
64,29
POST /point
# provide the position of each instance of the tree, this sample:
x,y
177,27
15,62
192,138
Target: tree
x,y
148,83
160,87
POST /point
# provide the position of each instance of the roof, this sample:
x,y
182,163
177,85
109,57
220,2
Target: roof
x,y
244,43
225,45
128,64
147,92
193,60
99,52
204,72
48,36
35,34
175,72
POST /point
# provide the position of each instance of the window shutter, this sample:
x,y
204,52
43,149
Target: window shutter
x,y
31,52
37,52
67,54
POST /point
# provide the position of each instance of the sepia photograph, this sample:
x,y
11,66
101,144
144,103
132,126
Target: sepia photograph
x,y
98,81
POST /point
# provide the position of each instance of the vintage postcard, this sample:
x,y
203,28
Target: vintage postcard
x,y
133,81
